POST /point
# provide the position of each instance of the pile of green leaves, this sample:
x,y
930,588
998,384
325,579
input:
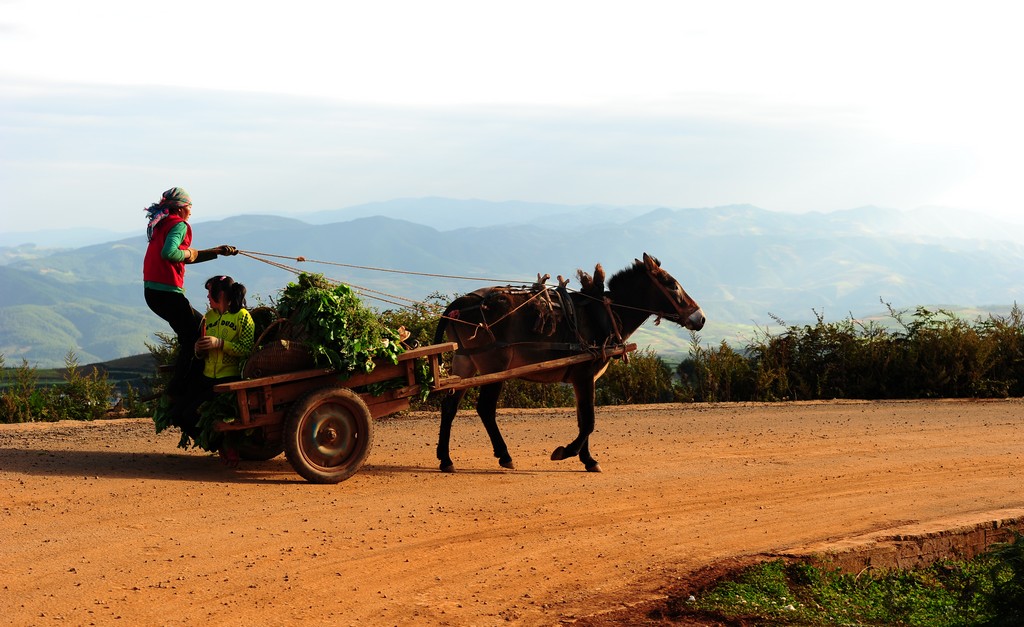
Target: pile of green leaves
x,y
338,330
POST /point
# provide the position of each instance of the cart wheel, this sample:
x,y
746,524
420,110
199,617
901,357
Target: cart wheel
x,y
260,446
328,434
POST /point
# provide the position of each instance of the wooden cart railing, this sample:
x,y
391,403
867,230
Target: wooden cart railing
x,y
261,401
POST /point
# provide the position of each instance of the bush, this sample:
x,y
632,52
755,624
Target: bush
x,y
987,590
719,375
1006,601
641,378
22,400
81,397
926,354
420,319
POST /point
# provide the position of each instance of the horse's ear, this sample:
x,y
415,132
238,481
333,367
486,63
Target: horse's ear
x,y
651,263
593,285
586,281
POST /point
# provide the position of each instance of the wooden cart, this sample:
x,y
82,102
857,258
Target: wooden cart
x,y
325,427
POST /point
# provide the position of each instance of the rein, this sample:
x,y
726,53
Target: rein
x,y
392,299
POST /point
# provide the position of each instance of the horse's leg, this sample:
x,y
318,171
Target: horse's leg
x,y
588,461
584,389
487,409
461,366
449,407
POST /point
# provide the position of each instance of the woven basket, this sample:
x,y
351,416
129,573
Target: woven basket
x,y
277,357
277,352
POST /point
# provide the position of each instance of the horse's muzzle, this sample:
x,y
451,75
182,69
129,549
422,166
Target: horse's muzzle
x,y
696,320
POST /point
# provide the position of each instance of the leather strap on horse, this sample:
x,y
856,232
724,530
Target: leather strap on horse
x,y
671,299
455,316
508,289
613,319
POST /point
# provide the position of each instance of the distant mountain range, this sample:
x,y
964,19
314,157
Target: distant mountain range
x,y
745,265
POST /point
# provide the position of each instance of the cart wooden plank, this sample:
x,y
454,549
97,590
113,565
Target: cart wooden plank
x,y
272,379
430,349
460,383
353,381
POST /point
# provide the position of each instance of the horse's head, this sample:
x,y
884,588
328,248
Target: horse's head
x,y
680,308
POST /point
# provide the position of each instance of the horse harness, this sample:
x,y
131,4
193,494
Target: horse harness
x,y
550,312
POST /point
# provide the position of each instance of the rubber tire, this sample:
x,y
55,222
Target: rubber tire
x,y
328,434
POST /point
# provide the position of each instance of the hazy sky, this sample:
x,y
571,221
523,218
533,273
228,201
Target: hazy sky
x,y
260,107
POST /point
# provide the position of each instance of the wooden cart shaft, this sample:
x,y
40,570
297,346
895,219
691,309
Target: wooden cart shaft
x,y
461,383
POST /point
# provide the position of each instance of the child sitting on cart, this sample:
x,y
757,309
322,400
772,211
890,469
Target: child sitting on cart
x,y
227,341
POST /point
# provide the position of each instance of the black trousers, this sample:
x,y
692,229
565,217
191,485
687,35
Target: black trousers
x,y
186,322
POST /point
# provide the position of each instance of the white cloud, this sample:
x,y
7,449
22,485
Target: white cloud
x,y
789,105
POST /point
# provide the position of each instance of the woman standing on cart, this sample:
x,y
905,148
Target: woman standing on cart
x,y
230,335
163,273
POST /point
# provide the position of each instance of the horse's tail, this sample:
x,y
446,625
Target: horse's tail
x,y
460,309
456,310
442,325
442,322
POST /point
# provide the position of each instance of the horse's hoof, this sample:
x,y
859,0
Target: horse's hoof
x,y
558,454
447,467
595,467
507,463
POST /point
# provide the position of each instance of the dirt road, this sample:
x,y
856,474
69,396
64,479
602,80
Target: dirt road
x,y
106,523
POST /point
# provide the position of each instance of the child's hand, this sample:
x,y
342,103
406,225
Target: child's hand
x,y
208,342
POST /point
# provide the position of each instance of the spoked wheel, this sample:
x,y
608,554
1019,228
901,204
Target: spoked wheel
x,y
328,434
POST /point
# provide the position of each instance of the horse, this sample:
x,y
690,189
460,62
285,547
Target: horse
x,y
504,327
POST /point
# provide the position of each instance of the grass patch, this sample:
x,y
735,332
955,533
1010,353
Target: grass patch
x,y
984,591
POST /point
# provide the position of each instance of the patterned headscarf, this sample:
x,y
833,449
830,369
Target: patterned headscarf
x,y
171,199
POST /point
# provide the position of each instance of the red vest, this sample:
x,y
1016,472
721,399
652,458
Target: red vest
x,y
157,269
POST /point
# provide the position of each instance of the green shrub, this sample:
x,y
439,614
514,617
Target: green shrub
x,y
420,319
642,377
81,396
945,594
22,400
715,375
527,395
1006,601
924,354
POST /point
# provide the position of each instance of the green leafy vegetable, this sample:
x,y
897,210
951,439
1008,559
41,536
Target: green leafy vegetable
x,y
340,332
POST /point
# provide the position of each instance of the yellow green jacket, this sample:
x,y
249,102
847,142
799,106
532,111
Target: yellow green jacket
x,y
238,332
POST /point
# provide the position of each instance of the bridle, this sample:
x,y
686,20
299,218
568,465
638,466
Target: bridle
x,y
679,314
